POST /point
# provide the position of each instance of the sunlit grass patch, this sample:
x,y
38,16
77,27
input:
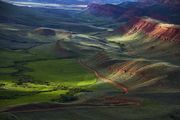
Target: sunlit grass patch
x,y
10,85
33,98
13,94
67,72
102,87
125,38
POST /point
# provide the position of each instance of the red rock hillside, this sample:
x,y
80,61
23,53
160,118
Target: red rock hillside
x,y
154,29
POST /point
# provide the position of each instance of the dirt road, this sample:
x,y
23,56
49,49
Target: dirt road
x,y
103,78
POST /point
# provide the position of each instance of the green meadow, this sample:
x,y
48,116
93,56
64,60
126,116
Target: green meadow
x,y
67,72
26,78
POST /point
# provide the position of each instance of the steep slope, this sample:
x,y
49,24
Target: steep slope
x,y
154,29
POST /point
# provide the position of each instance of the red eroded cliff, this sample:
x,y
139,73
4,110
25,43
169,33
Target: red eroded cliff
x,y
142,25
154,29
166,32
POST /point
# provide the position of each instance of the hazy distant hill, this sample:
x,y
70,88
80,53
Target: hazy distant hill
x,y
129,10
168,2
